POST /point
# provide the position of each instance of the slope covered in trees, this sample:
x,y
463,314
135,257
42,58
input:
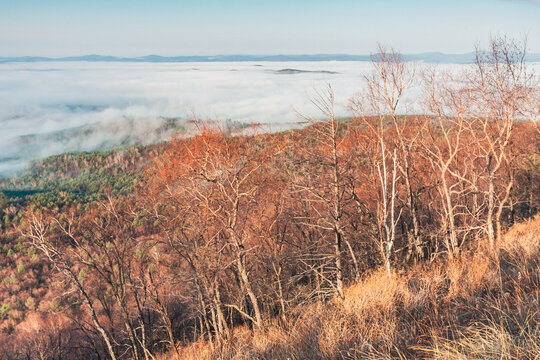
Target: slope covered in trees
x,y
345,239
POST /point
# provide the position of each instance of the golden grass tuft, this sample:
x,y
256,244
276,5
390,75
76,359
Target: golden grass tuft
x,y
486,342
377,293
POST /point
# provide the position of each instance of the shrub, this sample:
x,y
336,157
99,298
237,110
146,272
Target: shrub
x,y
21,267
4,311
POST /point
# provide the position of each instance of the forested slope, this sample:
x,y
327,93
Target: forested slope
x,y
376,236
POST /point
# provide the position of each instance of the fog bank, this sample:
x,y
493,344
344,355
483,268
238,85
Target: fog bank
x,y
48,108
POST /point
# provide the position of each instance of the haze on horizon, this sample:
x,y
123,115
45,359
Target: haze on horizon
x,y
58,28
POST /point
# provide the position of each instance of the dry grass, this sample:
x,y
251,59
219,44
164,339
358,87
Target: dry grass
x,y
487,342
477,306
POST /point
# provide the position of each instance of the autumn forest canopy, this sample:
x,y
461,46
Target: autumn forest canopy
x,y
375,236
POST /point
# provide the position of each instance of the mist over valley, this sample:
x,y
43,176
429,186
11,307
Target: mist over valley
x,y
49,108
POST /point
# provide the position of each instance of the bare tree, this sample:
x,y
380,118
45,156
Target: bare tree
x,y
503,88
331,195
38,233
220,178
446,128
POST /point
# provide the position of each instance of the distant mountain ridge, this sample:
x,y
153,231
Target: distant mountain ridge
x,y
431,57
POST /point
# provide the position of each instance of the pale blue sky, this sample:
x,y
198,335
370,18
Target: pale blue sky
x,y
209,27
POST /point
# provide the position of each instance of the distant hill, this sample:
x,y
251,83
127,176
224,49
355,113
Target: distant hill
x,y
431,57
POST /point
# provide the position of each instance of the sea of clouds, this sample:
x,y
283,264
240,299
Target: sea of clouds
x,y
48,108
52,107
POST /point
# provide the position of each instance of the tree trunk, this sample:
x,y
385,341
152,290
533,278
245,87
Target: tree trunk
x,y
129,328
417,241
222,323
339,270
280,294
501,208
491,206
249,290
338,236
452,234
93,315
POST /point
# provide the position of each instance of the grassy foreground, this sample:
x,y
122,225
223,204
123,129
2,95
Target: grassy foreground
x,y
474,307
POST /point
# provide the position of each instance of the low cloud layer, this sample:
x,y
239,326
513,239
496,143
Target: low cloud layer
x,y
50,108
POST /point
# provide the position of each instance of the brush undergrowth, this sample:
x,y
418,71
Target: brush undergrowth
x,y
481,305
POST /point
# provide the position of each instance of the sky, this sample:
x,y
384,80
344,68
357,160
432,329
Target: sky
x,y
212,27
